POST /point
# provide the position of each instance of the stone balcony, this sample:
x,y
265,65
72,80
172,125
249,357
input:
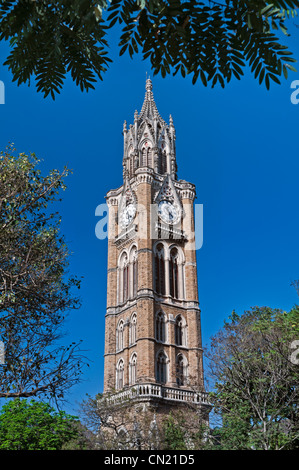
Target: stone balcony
x,y
150,391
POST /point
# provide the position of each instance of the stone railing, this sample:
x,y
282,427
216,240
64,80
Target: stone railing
x,y
169,232
125,235
152,391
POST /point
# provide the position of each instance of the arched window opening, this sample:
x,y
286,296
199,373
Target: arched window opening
x,y
120,336
128,275
133,369
123,278
162,166
120,374
161,369
160,327
147,155
133,272
133,328
180,331
160,270
162,162
125,283
181,370
173,274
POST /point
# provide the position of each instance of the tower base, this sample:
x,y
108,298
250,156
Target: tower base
x,y
174,420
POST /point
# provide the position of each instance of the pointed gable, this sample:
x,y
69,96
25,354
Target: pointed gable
x,y
168,192
128,196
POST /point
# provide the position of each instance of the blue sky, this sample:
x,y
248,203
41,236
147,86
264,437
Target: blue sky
x,y
239,146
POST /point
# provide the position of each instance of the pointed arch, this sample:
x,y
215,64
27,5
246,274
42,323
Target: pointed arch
x,y
128,274
160,327
146,153
180,331
133,258
123,277
174,273
120,367
133,369
159,268
120,335
181,370
133,329
161,367
164,152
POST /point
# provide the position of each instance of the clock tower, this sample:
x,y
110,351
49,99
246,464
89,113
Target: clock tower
x,y
153,348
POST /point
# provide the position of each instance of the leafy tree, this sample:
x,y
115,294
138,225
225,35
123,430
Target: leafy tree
x,y
174,436
34,426
36,291
211,40
83,439
256,382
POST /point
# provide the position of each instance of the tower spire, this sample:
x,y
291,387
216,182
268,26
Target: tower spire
x,y
149,108
150,142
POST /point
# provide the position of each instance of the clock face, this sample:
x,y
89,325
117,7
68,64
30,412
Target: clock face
x,y
127,215
168,212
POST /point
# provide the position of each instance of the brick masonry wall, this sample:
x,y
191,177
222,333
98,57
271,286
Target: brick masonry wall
x,y
146,306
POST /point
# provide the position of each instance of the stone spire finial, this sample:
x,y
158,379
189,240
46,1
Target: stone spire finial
x,y
149,109
148,85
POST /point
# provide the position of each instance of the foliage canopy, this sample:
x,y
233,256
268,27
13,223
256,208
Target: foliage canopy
x,y
256,380
211,40
36,290
35,426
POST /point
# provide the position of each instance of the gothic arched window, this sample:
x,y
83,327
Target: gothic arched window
x,y
160,327
120,374
125,283
180,331
173,274
147,155
133,328
181,370
162,168
159,270
134,270
123,277
128,275
120,336
161,368
133,369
